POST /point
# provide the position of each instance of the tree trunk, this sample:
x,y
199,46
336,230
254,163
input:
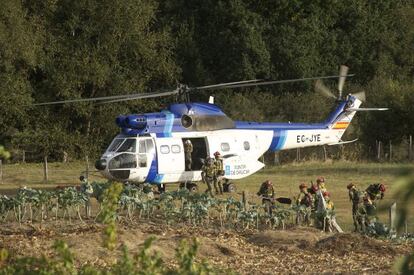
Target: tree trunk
x,y
1,171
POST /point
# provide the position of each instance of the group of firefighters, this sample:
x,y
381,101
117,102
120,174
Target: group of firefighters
x,y
364,204
316,208
212,173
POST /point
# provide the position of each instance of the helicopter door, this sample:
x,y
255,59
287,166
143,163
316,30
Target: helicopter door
x,y
199,153
170,154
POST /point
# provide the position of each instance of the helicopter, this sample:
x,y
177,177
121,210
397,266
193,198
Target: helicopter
x,y
150,147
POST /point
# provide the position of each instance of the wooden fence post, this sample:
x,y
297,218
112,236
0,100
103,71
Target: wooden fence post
x,y
24,156
393,216
87,167
379,150
390,150
297,154
65,157
1,171
325,156
410,149
45,170
245,200
276,158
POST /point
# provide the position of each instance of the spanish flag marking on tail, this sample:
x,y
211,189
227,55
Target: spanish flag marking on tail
x,y
340,125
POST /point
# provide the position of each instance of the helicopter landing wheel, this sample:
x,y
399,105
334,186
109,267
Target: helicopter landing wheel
x,y
161,188
191,186
229,187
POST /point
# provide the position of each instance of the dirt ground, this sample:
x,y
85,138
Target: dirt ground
x,y
294,250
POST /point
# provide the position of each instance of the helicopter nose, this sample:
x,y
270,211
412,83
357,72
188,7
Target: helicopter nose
x,y
100,164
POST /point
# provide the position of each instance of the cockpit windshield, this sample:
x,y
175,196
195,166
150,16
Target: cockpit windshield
x,y
129,145
123,145
115,144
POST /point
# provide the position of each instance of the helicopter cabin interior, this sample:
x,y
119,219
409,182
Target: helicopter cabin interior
x,y
198,155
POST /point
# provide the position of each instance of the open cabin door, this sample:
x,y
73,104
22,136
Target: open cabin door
x,y
199,153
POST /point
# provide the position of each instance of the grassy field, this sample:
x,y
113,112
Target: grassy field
x,y
285,179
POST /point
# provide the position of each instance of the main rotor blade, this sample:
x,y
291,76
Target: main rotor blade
x,y
322,89
278,81
108,99
343,71
82,100
141,96
224,84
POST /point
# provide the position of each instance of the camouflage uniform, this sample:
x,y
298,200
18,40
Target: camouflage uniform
x,y
312,191
208,173
218,187
188,150
268,194
329,212
304,202
355,197
87,189
375,191
367,208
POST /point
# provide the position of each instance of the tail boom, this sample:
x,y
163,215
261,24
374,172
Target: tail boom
x,y
300,135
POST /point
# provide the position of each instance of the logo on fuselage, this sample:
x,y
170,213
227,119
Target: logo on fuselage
x,y
237,170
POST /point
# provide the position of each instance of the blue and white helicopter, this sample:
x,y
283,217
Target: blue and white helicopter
x,y
150,147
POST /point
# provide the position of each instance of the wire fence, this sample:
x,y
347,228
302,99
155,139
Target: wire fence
x,y
381,151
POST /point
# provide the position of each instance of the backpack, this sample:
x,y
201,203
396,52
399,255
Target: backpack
x,y
307,200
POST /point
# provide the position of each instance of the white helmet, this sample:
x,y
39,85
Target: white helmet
x,y
188,141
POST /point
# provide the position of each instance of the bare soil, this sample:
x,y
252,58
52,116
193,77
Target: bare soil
x,y
294,250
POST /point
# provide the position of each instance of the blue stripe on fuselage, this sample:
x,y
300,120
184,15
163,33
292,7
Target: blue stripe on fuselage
x,y
153,176
279,139
169,121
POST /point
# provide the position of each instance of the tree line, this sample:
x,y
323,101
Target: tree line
x,y
57,50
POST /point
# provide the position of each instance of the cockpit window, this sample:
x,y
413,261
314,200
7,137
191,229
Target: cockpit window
x,y
115,144
150,145
129,145
142,147
146,146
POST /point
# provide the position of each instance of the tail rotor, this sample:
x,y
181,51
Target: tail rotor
x,y
325,91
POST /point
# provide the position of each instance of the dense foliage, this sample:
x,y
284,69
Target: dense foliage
x,y
54,50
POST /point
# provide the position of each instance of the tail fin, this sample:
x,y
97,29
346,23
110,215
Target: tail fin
x,y
340,119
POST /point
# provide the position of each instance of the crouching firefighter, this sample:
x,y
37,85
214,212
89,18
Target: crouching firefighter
x,y
367,212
